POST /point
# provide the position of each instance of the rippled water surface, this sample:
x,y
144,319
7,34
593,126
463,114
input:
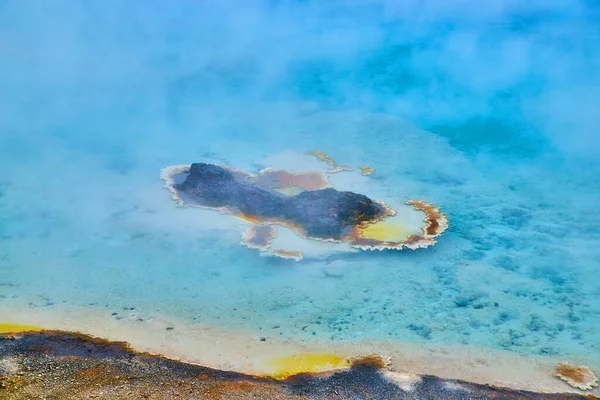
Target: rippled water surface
x,y
491,115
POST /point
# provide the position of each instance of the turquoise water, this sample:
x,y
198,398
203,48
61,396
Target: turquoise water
x,y
489,114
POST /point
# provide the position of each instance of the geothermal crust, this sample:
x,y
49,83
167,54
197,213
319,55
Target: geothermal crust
x,y
303,202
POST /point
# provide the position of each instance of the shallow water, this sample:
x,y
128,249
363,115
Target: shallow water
x,y
490,117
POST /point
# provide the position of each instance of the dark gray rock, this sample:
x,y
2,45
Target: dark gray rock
x,y
325,213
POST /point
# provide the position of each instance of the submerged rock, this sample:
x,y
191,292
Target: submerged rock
x,y
323,213
306,204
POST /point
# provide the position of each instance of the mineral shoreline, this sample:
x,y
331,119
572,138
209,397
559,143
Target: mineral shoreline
x,y
65,365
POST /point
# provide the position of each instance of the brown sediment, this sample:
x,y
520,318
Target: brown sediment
x,y
62,365
365,170
291,255
375,360
580,377
258,237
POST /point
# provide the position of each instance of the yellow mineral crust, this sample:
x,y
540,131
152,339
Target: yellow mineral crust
x,y
286,366
6,327
386,231
389,234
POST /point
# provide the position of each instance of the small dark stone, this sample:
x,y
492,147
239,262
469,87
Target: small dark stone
x,y
547,351
262,339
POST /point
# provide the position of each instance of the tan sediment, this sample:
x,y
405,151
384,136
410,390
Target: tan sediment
x,y
335,167
340,168
366,170
247,352
578,376
288,254
323,157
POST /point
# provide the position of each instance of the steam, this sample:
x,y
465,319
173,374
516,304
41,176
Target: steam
x,y
152,69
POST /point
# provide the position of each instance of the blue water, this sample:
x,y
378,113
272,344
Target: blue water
x,y
489,113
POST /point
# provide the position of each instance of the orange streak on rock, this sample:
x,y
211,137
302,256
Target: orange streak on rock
x,y
580,377
250,218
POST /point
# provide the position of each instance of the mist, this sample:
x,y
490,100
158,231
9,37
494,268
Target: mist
x,y
151,70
